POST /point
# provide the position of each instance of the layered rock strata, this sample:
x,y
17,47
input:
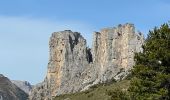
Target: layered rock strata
x,y
74,67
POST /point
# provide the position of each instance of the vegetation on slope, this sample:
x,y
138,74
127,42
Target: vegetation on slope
x,y
97,92
151,75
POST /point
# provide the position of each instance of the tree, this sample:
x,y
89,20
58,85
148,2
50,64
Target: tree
x,y
151,74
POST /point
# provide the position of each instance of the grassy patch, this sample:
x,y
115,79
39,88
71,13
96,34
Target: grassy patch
x,y
97,92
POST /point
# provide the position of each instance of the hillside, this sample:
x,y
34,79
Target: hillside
x,y
9,91
97,92
23,85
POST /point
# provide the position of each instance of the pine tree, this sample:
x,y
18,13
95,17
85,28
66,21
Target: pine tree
x,y
151,74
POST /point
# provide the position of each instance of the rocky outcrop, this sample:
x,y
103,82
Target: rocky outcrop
x,y
23,85
9,91
68,59
113,50
73,67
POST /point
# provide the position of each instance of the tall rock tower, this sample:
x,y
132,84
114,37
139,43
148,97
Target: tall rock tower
x,y
113,50
74,67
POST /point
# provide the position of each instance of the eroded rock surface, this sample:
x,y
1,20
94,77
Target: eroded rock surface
x,y
113,50
73,67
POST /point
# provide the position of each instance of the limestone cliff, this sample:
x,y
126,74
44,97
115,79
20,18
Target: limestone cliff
x,y
73,67
113,50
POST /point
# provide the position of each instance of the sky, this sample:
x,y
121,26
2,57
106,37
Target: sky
x,y
26,25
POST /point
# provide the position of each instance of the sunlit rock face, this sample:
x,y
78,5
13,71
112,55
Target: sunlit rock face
x,y
74,67
113,50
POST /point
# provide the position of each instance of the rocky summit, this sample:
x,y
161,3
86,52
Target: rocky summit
x,y
74,67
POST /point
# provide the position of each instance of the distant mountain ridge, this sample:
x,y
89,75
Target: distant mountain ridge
x,y
24,85
9,91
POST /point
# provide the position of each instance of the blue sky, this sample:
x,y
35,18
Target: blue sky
x,y
26,25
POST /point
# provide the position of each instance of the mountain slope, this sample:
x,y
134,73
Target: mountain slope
x,y
23,85
97,92
9,91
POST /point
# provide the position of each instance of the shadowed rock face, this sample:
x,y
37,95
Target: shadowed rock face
x,y
73,67
9,91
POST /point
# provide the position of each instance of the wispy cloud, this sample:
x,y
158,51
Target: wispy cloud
x,y
24,45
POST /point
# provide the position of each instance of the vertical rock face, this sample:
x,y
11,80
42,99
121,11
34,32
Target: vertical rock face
x,y
68,59
73,67
113,50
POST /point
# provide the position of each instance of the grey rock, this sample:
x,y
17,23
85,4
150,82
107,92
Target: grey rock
x,y
1,75
113,50
23,85
74,67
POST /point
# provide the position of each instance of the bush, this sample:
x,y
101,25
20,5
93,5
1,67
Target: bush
x,y
118,94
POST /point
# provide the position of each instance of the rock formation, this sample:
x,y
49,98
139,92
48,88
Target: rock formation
x,y
23,85
73,67
9,91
